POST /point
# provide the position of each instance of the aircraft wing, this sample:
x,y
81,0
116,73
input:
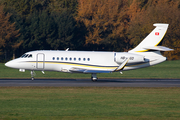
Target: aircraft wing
x,y
79,70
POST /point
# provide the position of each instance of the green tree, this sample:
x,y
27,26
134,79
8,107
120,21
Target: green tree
x,y
40,29
66,26
26,7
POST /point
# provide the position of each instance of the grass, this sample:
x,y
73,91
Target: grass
x,y
167,69
90,103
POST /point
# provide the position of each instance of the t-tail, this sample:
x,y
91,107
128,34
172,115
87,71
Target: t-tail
x,y
149,47
153,39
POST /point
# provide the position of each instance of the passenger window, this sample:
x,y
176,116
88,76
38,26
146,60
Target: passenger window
x,y
53,58
74,59
57,58
61,58
79,59
88,59
84,59
66,58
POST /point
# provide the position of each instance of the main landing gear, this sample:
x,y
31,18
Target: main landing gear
x,y
32,75
94,77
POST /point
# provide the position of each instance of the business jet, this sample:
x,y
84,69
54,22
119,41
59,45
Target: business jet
x,y
147,53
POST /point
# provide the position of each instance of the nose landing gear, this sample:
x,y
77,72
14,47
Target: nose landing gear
x,y
32,75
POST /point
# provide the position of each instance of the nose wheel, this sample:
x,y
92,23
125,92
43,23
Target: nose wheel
x,y
93,77
32,75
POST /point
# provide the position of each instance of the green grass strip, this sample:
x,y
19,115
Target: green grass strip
x,y
91,103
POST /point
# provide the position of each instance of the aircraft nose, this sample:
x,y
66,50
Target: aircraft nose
x,y
11,64
8,64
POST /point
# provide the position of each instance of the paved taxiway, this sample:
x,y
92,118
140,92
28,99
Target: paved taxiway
x,y
89,83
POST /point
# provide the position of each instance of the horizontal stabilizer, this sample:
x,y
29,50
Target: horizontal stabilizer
x,y
121,67
159,48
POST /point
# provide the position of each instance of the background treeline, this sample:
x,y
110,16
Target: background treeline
x,y
104,25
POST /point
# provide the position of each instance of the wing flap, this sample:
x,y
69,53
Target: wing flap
x,y
97,71
79,70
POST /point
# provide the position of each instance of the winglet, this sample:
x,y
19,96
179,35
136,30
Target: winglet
x,y
121,67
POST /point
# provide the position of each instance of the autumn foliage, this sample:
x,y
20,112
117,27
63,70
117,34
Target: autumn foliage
x,y
130,21
162,11
111,25
105,20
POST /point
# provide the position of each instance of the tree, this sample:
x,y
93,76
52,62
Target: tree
x,y
40,29
116,25
67,29
60,6
26,7
8,33
158,12
106,21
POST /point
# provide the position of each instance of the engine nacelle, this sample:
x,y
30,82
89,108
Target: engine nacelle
x,y
133,58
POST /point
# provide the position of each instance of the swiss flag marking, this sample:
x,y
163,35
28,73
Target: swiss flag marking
x,y
156,33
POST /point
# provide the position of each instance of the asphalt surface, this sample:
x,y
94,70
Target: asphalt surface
x,y
89,83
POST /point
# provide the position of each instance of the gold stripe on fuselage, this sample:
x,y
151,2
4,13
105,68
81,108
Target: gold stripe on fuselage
x,y
80,65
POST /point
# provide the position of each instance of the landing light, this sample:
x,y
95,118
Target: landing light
x,y
21,70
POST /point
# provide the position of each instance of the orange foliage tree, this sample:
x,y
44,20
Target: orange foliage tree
x,y
8,33
105,20
162,11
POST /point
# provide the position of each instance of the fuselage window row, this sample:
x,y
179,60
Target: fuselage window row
x,y
70,59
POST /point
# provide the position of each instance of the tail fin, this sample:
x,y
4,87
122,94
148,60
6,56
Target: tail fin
x,y
153,39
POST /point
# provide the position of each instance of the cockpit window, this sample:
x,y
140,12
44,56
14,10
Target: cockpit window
x,y
30,56
26,56
23,55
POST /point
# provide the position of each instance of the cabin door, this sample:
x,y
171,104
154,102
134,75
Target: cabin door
x,y
40,61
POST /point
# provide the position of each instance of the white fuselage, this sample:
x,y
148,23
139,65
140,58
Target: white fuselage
x,y
66,61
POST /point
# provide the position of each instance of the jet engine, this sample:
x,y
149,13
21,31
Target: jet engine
x,y
133,58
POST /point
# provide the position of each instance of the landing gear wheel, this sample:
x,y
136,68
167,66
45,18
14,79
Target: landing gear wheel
x,y
93,77
32,75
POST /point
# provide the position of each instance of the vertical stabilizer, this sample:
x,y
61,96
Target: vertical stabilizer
x,y
153,39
